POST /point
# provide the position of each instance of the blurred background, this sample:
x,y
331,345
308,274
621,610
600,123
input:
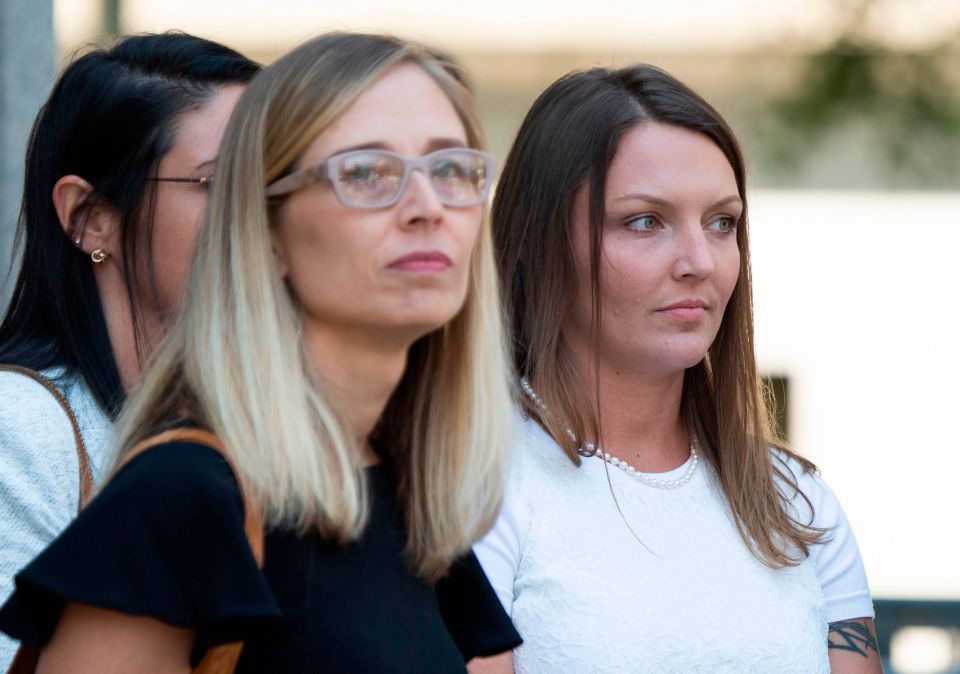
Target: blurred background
x,y
849,111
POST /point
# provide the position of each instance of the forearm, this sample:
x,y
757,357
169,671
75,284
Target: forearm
x,y
91,640
496,664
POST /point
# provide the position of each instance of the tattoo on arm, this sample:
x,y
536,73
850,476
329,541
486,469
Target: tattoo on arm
x,y
849,635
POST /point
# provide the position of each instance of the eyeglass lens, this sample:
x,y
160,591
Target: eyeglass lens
x,y
374,178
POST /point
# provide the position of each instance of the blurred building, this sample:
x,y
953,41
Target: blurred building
x,y
26,73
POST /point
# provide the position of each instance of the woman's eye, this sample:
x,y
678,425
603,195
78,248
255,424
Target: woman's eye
x,y
448,170
366,172
644,223
358,173
724,224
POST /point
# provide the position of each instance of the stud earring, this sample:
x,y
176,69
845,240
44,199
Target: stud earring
x,y
99,256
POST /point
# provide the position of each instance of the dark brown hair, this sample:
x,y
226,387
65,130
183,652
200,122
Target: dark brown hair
x,y
567,140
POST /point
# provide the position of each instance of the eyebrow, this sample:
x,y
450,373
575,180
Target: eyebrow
x,y
733,200
432,144
726,201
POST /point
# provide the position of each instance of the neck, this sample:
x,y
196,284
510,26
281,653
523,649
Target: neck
x,y
360,371
119,320
639,414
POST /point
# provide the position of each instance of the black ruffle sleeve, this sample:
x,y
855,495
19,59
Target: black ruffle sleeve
x,y
164,539
472,611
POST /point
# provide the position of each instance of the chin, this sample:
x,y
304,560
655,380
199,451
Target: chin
x,y
418,325
433,310
693,362
675,360
689,357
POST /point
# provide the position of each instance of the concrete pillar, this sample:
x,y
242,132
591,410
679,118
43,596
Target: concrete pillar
x,y
27,70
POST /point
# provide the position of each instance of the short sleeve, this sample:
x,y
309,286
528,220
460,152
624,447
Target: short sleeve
x,y
499,552
837,559
164,539
472,612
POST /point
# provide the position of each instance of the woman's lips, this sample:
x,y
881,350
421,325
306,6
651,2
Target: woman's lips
x,y
423,262
685,310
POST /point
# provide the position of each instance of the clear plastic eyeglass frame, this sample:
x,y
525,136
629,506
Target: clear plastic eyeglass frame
x,y
392,191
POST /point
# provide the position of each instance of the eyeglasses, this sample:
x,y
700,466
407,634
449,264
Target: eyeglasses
x,y
203,182
376,178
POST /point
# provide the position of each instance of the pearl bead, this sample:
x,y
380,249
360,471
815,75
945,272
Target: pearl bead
x,y
589,449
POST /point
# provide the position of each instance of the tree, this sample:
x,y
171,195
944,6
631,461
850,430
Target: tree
x,y
907,97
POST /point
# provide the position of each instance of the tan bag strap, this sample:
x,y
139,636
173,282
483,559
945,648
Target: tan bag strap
x,y
86,477
252,518
219,659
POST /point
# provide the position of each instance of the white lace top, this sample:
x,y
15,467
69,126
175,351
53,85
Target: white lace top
x,y
39,470
586,596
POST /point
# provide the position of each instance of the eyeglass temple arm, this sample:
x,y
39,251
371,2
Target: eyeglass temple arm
x,y
205,180
295,181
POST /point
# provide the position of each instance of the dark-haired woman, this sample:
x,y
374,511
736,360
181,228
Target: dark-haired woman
x,y
115,186
655,523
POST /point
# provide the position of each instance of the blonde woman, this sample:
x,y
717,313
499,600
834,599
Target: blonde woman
x,y
341,337
656,523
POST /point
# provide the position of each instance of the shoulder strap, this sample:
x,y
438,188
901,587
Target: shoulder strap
x,y
252,518
219,659
86,477
26,657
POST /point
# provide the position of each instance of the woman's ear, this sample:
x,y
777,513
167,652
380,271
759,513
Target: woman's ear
x,y
96,228
279,253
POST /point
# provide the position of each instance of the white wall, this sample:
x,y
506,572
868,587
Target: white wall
x,y
857,298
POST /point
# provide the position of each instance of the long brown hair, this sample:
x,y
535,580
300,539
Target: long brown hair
x,y
568,139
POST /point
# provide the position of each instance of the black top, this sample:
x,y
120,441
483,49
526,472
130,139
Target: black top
x,y
165,539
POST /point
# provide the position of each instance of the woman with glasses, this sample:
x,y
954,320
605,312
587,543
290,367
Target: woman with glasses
x,y
340,336
656,523
114,191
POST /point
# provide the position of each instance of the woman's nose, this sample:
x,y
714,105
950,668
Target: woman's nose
x,y
420,202
694,255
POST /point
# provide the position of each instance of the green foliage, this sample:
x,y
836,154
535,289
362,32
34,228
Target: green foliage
x,y
907,99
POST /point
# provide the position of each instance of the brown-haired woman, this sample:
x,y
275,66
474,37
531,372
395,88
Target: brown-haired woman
x,y
656,522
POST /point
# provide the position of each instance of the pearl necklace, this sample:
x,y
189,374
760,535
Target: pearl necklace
x,y
591,450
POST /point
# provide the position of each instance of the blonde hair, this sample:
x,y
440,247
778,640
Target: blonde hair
x,y
234,361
